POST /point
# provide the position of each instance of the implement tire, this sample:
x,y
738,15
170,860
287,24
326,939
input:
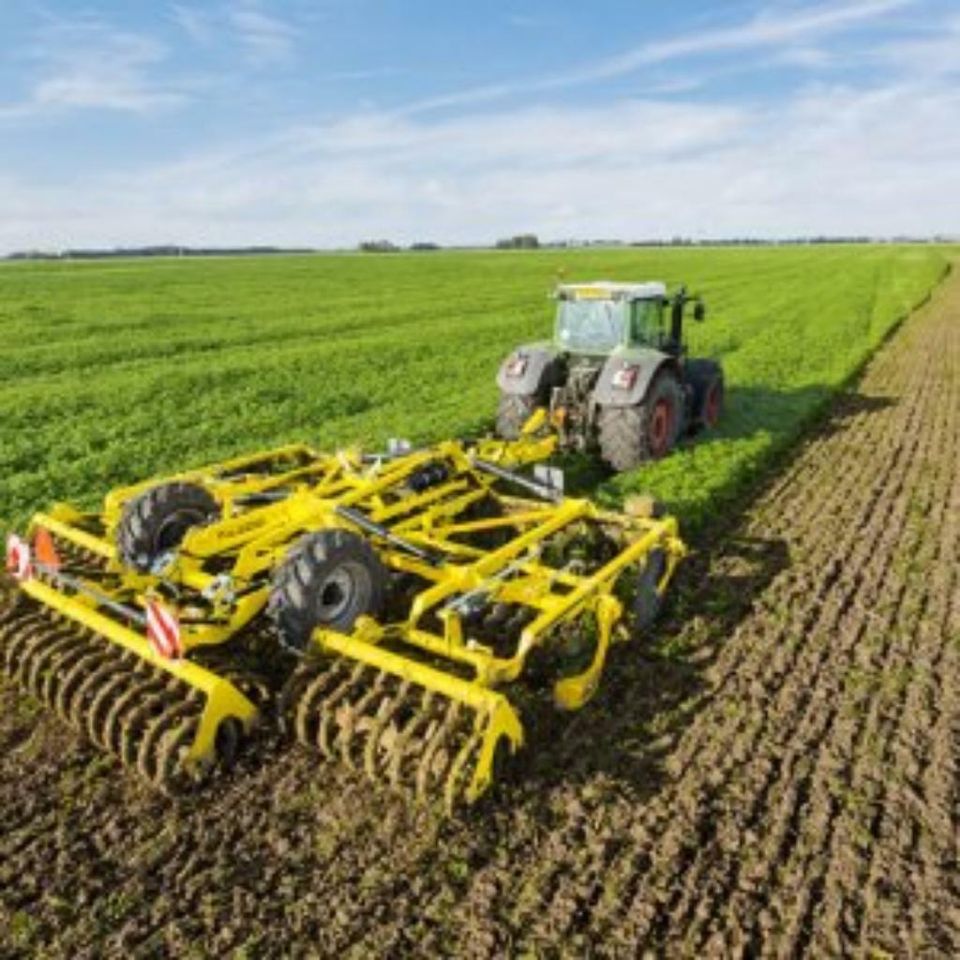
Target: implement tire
x,y
329,579
645,431
513,411
155,522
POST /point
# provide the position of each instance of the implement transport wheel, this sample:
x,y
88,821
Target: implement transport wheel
x,y
329,579
646,600
646,431
513,411
155,522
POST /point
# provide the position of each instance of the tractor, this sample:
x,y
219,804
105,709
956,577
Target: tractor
x,y
616,376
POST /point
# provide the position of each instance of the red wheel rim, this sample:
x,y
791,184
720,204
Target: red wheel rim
x,y
711,406
661,422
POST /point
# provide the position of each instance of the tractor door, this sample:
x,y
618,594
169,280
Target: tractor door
x,y
646,323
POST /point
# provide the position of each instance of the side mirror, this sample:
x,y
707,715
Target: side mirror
x,y
699,310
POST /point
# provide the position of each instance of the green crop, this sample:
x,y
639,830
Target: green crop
x,y
112,371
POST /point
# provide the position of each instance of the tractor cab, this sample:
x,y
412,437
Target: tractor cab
x,y
597,318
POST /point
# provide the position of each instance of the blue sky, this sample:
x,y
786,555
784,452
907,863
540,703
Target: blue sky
x,y
324,123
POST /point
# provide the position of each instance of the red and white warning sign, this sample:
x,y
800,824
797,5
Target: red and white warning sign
x,y
163,631
19,564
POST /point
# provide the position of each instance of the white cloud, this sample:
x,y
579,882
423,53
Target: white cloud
x,y
829,160
87,64
771,28
934,52
808,57
266,38
197,24
874,158
462,98
83,62
263,38
371,73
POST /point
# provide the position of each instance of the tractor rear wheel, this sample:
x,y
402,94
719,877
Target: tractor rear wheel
x,y
713,403
329,579
155,522
706,379
513,411
645,431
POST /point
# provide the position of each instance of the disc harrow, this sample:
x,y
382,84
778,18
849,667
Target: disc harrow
x,y
383,606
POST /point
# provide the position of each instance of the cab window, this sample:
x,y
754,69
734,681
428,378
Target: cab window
x,y
646,322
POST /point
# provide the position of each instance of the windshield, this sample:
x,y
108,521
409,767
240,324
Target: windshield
x,y
590,325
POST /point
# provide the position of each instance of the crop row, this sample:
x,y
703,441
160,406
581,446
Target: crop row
x,y
113,371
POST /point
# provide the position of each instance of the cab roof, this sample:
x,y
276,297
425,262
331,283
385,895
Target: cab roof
x,y
611,290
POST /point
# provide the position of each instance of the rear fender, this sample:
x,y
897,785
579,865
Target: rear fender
x,y
627,375
530,369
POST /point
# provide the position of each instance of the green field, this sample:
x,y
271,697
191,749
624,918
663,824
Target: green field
x,y
115,370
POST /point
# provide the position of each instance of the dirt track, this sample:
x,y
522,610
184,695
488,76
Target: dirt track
x,y
786,783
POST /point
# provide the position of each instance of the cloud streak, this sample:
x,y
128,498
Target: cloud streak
x,y
196,24
267,39
869,152
770,28
86,64
767,29
827,160
264,39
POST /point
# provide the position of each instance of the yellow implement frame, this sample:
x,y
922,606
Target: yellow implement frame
x,y
447,519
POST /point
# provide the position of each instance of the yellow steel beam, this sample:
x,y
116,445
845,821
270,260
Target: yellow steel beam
x,y
81,538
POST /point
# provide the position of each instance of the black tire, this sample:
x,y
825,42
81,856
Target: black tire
x,y
155,522
713,403
329,579
513,411
646,600
631,435
706,382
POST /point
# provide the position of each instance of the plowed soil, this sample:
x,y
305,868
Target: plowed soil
x,y
780,778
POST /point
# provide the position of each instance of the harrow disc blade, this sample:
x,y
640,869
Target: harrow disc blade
x,y
159,719
425,732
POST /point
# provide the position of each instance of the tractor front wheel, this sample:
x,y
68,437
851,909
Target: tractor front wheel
x,y
645,431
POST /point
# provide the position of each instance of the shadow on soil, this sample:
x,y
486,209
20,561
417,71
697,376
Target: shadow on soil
x,y
648,695
783,415
653,690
